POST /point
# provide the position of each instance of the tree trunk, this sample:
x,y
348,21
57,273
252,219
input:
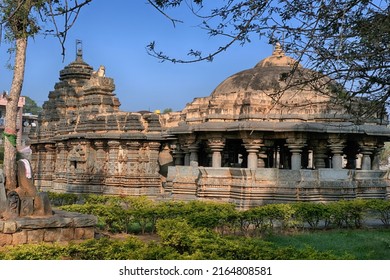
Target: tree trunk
x,y
11,114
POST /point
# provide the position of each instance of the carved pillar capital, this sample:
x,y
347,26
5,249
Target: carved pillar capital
x,y
296,146
61,146
99,144
133,145
113,144
154,146
216,144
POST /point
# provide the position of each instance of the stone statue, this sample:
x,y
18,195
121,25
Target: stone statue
x,y
25,200
101,72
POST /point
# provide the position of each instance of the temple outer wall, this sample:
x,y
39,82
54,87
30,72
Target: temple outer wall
x,y
248,188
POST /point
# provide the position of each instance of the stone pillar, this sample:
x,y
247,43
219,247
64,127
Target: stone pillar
x,y
376,156
367,147
366,161
154,150
61,157
132,156
193,149
336,146
319,153
252,147
178,156
50,161
113,150
99,171
101,157
186,153
277,157
41,160
262,157
216,146
296,146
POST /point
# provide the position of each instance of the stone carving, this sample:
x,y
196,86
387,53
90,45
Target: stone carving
x,y
101,72
25,200
13,207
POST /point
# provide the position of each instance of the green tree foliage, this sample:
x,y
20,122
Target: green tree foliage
x,y
347,41
167,110
31,106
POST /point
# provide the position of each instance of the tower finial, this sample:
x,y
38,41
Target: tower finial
x,y
79,49
278,51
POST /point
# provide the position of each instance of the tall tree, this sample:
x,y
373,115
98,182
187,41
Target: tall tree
x,y
346,40
22,19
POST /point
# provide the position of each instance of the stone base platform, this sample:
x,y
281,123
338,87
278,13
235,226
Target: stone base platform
x,y
61,227
248,188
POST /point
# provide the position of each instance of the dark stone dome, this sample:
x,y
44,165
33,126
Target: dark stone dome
x,y
77,69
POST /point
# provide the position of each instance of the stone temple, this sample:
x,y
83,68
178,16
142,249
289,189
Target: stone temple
x,y
262,136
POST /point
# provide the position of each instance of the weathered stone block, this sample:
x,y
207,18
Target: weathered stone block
x,y
35,236
84,233
5,239
9,227
51,235
66,234
44,222
267,174
84,221
333,174
19,237
370,174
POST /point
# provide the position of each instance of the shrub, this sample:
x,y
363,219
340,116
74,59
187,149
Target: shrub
x,y
381,208
348,213
311,214
112,218
60,199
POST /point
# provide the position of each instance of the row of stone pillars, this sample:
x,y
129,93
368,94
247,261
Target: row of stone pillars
x,y
257,154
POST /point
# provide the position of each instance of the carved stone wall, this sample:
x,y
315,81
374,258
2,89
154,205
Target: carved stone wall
x,y
248,188
84,143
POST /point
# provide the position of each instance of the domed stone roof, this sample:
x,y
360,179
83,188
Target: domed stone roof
x,y
272,90
266,75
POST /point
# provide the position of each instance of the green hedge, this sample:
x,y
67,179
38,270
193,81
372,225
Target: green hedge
x,y
141,214
179,241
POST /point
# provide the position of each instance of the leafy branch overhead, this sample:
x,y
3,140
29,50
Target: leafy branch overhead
x,y
346,40
29,18
20,20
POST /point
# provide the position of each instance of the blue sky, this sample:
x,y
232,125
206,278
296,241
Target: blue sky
x,y
115,35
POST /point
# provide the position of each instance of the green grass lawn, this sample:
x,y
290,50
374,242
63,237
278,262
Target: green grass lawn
x,y
364,244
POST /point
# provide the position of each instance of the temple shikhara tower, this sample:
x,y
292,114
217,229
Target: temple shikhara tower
x,y
273,133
